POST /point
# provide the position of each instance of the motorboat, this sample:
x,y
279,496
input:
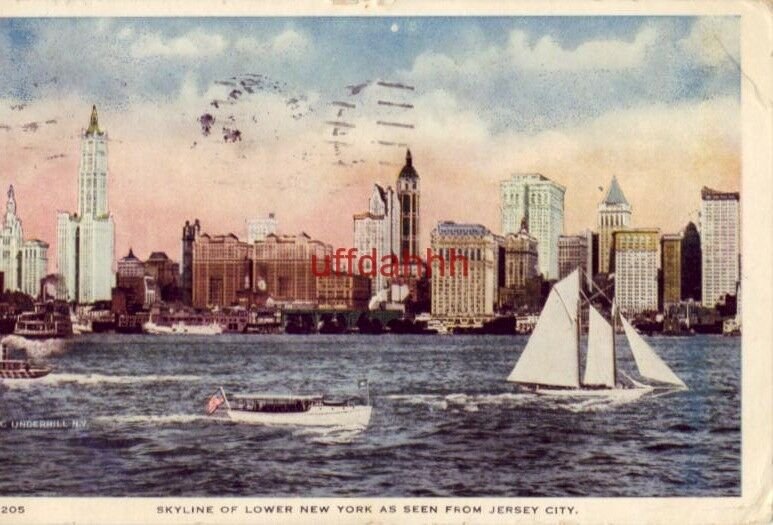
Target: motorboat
x,y
294,410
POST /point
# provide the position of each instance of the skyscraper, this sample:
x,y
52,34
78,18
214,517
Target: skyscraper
x,y
541,202
11,237
521,258
614,214
671,266
465,271
572,254
720,245
408,191
691,263
86,240
378,229
636,270
34,265
190,235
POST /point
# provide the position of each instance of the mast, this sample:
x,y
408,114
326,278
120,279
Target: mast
x,y
577,342
614,347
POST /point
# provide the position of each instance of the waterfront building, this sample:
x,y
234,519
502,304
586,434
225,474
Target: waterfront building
x,y
129,267
519,268
408,192
520,258
691,263
34,265
342,290
377,231
130,278
720,245
541,202
636,269
282,267
221,268
191,232
464,266
166,275
614,214
671,268
259,228
573,252
86,239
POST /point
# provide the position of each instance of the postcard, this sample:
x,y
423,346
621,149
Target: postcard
x,y
384,262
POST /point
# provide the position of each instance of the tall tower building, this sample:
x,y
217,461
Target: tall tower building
x,y
636,270
541,202
691,263
191,233
720,245
408,191
11,241
671,267
614,214
34,260
378,229
86,239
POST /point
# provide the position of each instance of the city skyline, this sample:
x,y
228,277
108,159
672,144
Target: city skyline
x,y
180,174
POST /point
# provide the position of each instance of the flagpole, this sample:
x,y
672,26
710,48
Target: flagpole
x,y
227,404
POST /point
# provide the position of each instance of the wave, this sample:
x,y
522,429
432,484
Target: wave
x,y
332,435
35,348
135,419
473,402
95,379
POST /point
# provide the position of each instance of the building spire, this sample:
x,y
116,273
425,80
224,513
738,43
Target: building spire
x,y
11,203
615,194
93,123
408,158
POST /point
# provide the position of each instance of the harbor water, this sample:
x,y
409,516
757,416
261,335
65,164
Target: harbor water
x,y
125,415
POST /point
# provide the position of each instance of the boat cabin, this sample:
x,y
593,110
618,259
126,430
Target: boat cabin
x,y
274,403
285,403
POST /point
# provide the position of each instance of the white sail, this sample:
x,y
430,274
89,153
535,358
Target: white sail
x,y
551,356
650,365
600,362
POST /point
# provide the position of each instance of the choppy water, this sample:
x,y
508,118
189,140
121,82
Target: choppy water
x,y
445,423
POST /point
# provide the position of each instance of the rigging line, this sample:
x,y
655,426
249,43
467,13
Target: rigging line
x,y
563,303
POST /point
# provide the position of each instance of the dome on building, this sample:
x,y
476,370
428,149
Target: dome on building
x,y
408,172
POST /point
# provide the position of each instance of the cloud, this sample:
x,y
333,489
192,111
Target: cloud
x,y
548,55
287,45
714,41
196,43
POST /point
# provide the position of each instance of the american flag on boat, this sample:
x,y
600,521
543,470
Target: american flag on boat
x,y
214,402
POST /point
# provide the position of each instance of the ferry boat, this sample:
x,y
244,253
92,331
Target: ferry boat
x,y
19,368
293,410
47,322
182,328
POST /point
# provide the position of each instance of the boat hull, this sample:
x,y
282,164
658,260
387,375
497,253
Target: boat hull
x,y
32,373
609,393
316,416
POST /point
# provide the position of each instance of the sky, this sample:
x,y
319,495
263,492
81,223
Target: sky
x,y
227,119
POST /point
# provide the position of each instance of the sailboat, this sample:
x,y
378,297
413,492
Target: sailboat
x,y
550,363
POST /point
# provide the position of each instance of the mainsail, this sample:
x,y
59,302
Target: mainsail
x,y
600,362
650,365
551,356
